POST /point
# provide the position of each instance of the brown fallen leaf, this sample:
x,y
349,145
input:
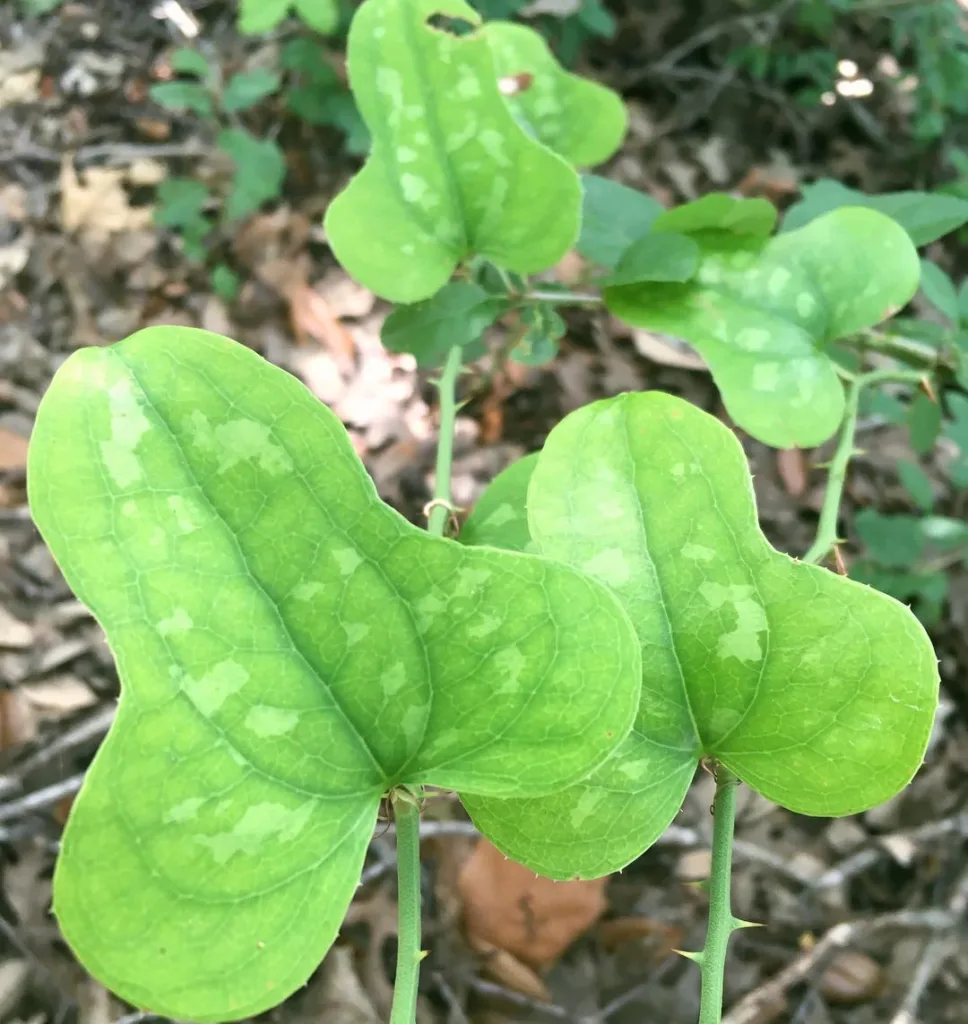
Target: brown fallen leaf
x,y
853,977
97,206
507,906
13,450
18,723
311,315
507,970
341,996
58,696
13,632
667,351
622,930
792,468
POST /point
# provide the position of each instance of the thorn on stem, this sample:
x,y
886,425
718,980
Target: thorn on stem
x,y
928,388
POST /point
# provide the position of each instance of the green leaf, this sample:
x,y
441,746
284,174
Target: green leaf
x,y
321,15
939,290
659,256
963,301
258,16
544,328
877,402
246,88
289,649
816,691
450,174
260,168
926,216
894,541
180,201
581,120
182,96
187,61
457,315
944,533
924,424
956,431
613,217
761,313
720,212
917,483
920,330
499,519
225,282
40,6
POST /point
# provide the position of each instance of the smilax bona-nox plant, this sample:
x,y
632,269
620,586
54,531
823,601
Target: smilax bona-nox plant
x,y
293,652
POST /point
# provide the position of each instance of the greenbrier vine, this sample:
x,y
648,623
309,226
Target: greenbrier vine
x,y
292,652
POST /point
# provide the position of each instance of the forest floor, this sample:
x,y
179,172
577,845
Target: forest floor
x,y
863,918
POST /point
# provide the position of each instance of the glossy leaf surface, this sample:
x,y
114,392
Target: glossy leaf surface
x,y
451,174
579,119
761,313
290,648
815,690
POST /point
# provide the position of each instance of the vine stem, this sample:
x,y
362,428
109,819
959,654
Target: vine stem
x,y
564,298
712,959
406,805
827,530
827,538
406,815
447,387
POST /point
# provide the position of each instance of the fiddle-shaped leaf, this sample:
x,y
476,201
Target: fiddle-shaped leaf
x,y
815,690
451,174
762,313
290,648
581,120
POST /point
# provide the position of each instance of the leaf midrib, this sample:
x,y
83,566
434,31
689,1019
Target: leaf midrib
x,y
256,581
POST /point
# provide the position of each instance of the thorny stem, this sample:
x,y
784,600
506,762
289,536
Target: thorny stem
x,y
827,530
406,805
712,959
447,387
827,538
564,298
406,813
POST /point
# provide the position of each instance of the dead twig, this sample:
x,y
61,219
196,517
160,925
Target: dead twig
x,y
91,728
936,951
42,799
870,855
749,1009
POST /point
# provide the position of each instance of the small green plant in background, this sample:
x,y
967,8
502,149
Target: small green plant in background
x,y
611,617
185,205
806,41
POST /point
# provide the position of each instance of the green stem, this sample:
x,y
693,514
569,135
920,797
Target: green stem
x,y
447,387
565,298
406,813
722,924
900,347
827,539
827,530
